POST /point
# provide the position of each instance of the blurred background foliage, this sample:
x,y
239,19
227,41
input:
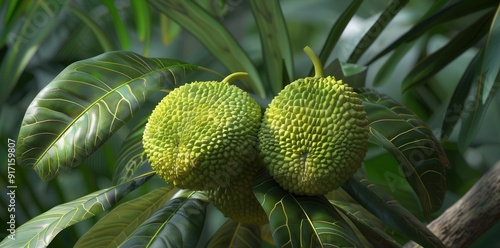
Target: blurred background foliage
x,y
82,29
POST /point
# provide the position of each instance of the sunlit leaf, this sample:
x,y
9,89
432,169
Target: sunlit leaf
x,y
234,234
390,211
121,222
301,221
142,16
375,30
451,12
39,231
375,234
131,156
436,61
412,143
336,31
25,40
177,224
169,29
214,36
276,47
352,74
87,103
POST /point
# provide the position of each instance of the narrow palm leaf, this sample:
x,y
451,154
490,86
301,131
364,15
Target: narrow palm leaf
x,y
436,61
214,36
119,24
336,31
234,234
121,222
276,47
177,224
142,16
39,231
26,40
454,11
100,34
375,30
491,60
390,211
302,221
411,142
86,104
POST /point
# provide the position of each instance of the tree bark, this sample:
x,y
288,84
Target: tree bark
x,y
478,210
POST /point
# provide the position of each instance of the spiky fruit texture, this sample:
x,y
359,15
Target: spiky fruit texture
x,y
314,135
235,199
201,130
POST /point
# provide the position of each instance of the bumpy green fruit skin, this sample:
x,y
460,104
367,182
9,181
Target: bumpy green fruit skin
x,y
201,130
236,200
314,135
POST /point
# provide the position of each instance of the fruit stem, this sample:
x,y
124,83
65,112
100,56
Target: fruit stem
x,y
233,76
318,67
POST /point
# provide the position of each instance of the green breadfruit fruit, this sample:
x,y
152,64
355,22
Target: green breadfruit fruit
x,y
201,130
314,135
236,199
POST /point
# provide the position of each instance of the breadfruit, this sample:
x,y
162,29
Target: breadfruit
x,y
200,130
314,135
236,199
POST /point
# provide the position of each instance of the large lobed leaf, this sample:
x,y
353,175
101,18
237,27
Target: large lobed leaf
x,y
300,221
87,103
121,222
39,231
238,235
177,224
411,142
379,203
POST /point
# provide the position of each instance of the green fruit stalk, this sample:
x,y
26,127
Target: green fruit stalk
x,y
314,134
201,130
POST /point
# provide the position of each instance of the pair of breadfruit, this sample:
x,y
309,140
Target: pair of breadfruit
x,y
211,136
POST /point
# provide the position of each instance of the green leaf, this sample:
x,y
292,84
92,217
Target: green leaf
x,y
101,35
336,31
86,103
131,156
25,40
119,24
275,42
436,61
39,231
142,16
491,60
391,64
390,211
300,221
375,30
214,36
411,142
371,231
234,234
177,224
460,104
453,11
121,222
352,74
169,29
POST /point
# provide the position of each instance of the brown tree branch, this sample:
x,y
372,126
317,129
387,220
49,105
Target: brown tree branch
x,y
478,210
